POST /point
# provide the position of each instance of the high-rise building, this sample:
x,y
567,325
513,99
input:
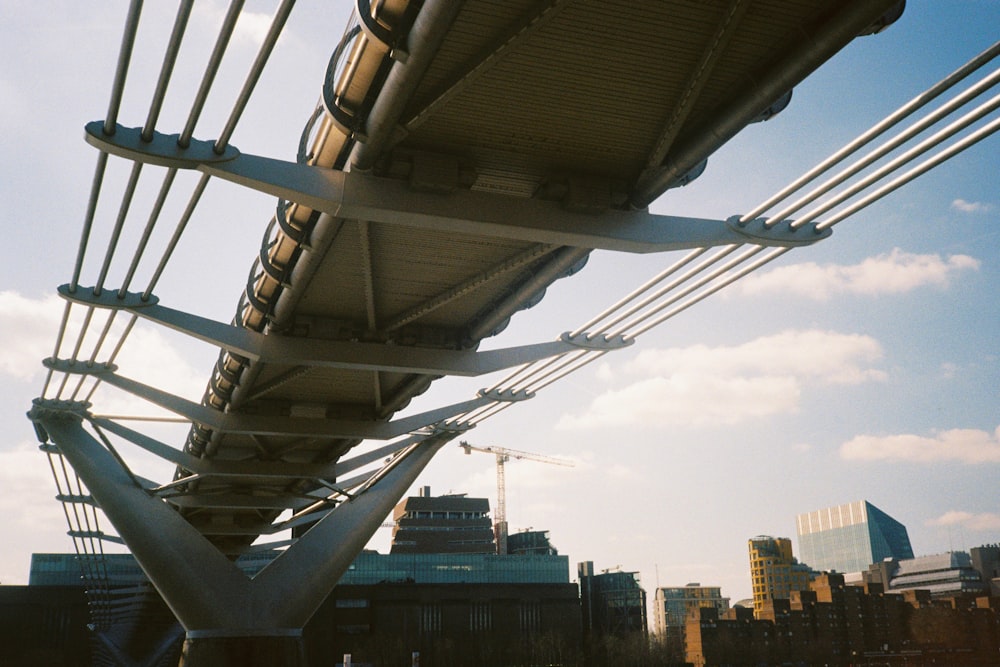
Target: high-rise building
x,y
774,571
428,524
612,602
850,537
672,607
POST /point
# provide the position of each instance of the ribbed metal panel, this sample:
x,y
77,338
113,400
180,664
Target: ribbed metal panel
x,y
590,90
521,94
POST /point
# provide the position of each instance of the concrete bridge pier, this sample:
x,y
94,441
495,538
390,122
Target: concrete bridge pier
x,y
230,620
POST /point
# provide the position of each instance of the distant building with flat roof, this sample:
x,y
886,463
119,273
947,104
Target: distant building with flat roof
x,y
613,603
530,542
673,605
369,567
986,561
450,524
454,609
941,575
850,537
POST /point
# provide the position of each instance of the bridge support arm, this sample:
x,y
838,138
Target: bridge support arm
x,y
357,196
177,559
230,619
299,351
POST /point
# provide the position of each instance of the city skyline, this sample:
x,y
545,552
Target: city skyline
x,y
863,367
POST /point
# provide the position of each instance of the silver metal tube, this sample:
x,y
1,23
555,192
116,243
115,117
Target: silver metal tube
x,y
221,43
543,369
669,271
60,335
736,261
887,147
568,366
104,335
169,59
280,17
890,120
429,29
83,333
168,181
581,363
123,209
689,275
88,220
175,239
920,169
121,71
937,138
777,252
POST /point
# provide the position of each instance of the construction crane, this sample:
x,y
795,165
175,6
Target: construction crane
x,y
503,455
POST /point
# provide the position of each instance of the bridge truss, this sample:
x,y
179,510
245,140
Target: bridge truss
x,y
390,256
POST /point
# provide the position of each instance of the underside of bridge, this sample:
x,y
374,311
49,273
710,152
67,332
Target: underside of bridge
x,y
464,157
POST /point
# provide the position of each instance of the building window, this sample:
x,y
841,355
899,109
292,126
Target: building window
x,y
356,629
430,619
530,616
480,616
352,604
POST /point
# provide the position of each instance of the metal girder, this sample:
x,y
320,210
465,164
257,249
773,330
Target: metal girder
x,y
235,501
221,468
227,422
95,534
357,196
205,590
297,351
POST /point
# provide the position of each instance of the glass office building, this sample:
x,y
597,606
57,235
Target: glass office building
x,y
368,568
850,537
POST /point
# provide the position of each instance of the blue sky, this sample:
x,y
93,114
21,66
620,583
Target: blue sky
x,y
864,367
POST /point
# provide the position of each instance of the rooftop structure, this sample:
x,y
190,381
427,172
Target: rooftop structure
x,y
613,602
427,524
986,561
850,537
530,542
673,605
942,575
774,572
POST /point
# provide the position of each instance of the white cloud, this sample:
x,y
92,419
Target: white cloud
x,y
30,512
605,372
31,326
830,357
251,27
985,522
893,273
969,446
971,206
701,385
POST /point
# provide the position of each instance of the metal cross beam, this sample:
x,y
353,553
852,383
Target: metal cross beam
x,y
355,196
